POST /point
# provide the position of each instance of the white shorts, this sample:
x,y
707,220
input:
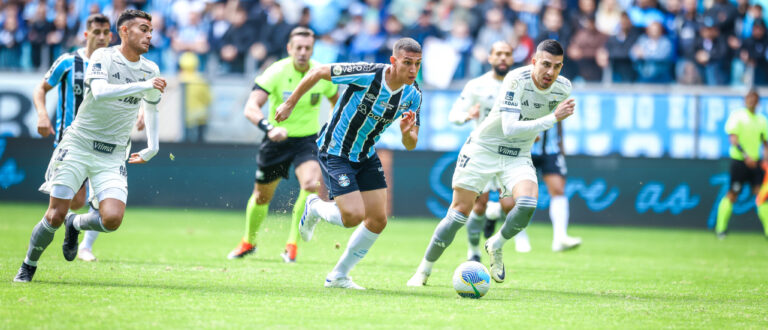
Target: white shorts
x,y
76,159
477,167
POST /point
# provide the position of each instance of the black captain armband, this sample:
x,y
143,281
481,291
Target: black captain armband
x,y
738,146
265,126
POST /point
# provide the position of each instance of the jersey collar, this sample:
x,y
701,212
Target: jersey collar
x,y
384,82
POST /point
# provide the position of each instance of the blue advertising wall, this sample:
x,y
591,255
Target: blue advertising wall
x,y
602,190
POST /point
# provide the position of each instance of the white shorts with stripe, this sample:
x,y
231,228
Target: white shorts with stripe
x,y
477,168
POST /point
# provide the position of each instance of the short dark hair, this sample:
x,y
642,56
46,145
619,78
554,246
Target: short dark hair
x,y
301,31
551,46
408,45
130,14
97,18
753,91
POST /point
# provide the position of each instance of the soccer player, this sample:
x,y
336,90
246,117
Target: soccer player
x,y
96,145
532,99
747,131
288,142
474,103
549,157
377,94
69,70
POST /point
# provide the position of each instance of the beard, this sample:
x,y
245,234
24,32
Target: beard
x,y
500,71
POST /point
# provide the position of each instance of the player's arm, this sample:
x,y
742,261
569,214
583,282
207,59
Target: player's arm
x,y
44,127
409,125
464,109
153,142
310,79
101,89
512,124
252,111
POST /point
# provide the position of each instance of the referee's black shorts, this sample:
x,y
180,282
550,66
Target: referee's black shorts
x,y
741,174
275,158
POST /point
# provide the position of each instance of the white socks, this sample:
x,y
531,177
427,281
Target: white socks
x,y
357,247
327,211
558,213
90,237
425,267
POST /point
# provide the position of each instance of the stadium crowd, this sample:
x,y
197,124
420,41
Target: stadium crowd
x,y
713,42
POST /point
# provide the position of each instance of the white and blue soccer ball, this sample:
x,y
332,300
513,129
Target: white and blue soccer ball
x,y
471,280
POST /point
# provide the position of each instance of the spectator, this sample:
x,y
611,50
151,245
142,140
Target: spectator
x,y
38,30
366,43
392,33
495,29
583,49
754,52
58,38
424,28
461,41
274,35
687,24
646,12
724,14
553,28
196,97
219,25
585,8
754,13
608,17
529,12
522,44
713,54
11,37
652,54
237,41
191,36
159,51
407,11
617,52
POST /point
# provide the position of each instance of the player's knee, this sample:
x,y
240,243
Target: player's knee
x,y
376,224
479,208
352,218
56,216
111,221
311,185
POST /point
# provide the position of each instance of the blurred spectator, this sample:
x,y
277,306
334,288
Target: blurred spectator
x,y
58,38
653,55
273,37
159,51
237,41
325,14
327,50
11,37
754,52
424,28
617,52
192,36
529,12
713,54
495,29
586,8
687,25
724,13
644,12
392,33
407,11
608,17
583,49
553,27
38,30
754,13
219,25
461,41
523,45
113,11
196,98
366,44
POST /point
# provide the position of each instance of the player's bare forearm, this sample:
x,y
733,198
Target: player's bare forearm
x,y
411,138
38,97
252,110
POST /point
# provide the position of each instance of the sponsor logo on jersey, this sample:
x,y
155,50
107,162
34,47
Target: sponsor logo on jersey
x,y
344,180
130,100
336,70
507,151
103,147
510,96
552,105
537,105
362,108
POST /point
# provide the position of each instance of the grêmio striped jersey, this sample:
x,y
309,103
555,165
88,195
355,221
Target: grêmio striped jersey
x,y
366,109
68,72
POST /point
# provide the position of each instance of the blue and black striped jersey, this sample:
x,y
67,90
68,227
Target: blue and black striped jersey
x,y
68,72
365,110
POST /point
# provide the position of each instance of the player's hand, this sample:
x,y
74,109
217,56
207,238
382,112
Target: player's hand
x,y
159,83
44,127
751,163
283,112
140,121
278,134
565,109
136,159
408,121
474,112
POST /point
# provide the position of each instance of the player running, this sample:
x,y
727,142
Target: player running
x,y
377,95
96,144
68,72
532,99
288,142
474,103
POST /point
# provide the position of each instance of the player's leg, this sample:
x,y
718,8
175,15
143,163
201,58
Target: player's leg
x,y
522,242
375,220
475,224
308,174
255,212
84,250
79,200
762,208
456,217
44,230
739,176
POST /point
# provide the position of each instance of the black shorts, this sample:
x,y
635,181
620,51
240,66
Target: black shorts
x,y
550,164
343,176
275,158
741,174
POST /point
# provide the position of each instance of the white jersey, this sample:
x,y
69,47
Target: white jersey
x,y
111,120
481,90
518,93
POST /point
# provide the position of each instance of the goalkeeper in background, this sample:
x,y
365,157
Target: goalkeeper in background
x,y
286,143
747,132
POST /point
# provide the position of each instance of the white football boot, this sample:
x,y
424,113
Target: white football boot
x,y
418,279
565,244
309,219
342,283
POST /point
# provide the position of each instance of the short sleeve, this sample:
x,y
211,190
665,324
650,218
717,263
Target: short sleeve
x,y
330,89
58,69
97,66
732,124
268,80
354,73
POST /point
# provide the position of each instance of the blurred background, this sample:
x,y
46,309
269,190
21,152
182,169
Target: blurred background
x,y
654,83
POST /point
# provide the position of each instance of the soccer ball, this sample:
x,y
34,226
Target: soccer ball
x,y
471,280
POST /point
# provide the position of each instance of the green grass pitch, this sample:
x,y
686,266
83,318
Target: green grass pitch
x,y
166,268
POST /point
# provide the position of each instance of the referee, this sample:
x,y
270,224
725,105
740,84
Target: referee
x,y
289,142
747,131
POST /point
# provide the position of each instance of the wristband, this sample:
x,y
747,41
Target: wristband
x,y
265,126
